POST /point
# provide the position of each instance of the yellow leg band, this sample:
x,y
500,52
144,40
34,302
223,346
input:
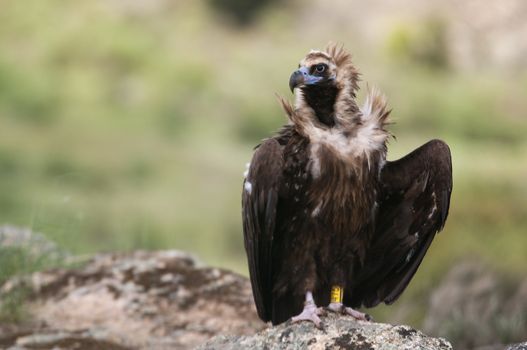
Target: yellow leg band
x,y
336,294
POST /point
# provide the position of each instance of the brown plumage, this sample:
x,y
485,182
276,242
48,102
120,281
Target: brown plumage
x,y
323,207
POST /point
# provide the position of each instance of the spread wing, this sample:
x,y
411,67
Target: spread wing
x,y
259,201
413,207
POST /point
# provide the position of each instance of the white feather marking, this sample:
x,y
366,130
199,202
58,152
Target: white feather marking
x,y
409,255
374,208
317,210
315,164
248,187
382,163
246,172
432,212
434,208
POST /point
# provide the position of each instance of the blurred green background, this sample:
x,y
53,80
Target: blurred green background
x,y
127,124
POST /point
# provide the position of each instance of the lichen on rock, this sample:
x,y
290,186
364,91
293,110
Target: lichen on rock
x,y
339,332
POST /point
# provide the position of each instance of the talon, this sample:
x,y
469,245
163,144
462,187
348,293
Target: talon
x,y
357,314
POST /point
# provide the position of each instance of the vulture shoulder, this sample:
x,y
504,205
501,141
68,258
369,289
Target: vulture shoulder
x,y
259,202
413,206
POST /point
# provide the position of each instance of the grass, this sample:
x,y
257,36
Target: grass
x,y
16,261
124,130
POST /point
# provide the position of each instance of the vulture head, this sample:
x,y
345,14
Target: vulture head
x,y
326,83
317,68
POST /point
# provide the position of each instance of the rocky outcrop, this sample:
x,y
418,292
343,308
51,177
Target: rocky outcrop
x,y
169,300
148,300
339,332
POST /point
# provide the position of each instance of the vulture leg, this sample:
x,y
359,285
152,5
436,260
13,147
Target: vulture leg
x,y
336,305
310,312
340,308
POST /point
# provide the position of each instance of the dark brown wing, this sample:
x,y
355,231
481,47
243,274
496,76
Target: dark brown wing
x,y
259,201
413,207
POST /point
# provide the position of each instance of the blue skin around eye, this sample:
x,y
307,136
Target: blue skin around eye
x,y
309,79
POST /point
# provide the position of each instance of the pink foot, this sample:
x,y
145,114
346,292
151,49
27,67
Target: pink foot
x,y
340,308
310,313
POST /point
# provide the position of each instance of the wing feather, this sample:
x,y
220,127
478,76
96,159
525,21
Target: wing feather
x,y
413,207
259,202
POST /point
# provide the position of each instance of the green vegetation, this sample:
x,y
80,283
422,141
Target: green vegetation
x,y
125,127
241,12
18,261
423,43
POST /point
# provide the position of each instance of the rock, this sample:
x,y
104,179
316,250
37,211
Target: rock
x,y
520,346
65,340
339,332
148,300
474,306
169,300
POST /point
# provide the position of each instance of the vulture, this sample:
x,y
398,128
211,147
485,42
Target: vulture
x,y
329,224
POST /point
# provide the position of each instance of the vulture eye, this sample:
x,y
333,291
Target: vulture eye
x,y
319,68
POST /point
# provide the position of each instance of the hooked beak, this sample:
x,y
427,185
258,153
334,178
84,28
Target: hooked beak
x,y
302,77
297,78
